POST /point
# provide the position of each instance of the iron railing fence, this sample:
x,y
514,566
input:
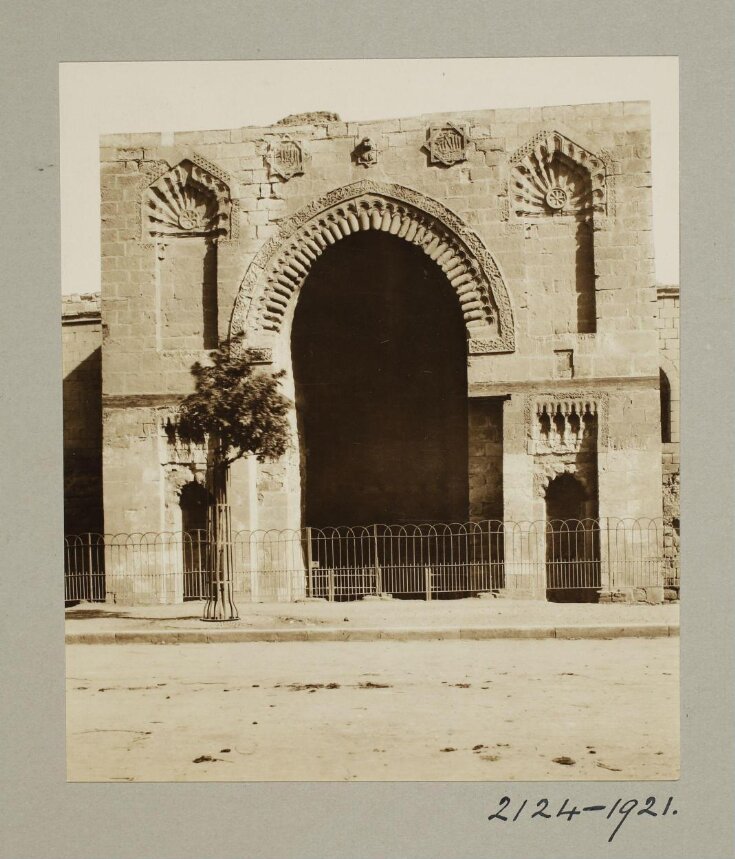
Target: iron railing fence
x,y
571,559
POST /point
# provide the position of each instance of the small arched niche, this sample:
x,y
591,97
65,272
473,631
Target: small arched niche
x,y
193,505
572,542
665,396
562,188
186,212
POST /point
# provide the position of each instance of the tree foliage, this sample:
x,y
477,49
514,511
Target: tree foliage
x,y
238,407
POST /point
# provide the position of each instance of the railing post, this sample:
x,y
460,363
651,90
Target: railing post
x,y
309,572
427,583
330,584
471,559
89,561
493,552
376,561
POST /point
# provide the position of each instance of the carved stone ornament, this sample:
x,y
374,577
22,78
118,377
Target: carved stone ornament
x,y
548,469
447,144
275,276
175,479
187,200
566,422
174,451
260,355
286,158
366,152
556,197
551,175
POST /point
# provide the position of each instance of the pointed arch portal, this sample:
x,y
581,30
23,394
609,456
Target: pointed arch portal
x,y
380,292
381,391
274,279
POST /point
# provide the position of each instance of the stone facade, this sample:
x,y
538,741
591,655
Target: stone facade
x,y
538,219
81,337
669,345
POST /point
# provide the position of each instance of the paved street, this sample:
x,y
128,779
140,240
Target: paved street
x,y
435,710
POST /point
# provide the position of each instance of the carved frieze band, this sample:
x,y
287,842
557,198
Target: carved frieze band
x,y
172,449
582,411
277,272
260,355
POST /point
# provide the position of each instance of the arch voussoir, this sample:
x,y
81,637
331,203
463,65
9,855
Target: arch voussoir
x,y
278,271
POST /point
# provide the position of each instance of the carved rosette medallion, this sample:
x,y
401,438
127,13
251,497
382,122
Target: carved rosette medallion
x,y
286,158
447,144
556,197
366,152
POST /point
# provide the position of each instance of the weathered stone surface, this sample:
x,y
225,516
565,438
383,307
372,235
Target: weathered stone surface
x,y
668,330
313,117
81,334
206,233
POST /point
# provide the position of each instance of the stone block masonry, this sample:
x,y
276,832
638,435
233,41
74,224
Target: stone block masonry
x,y
486,458
81,335
539,224
670,397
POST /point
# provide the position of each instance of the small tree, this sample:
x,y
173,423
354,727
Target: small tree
x,y
235,411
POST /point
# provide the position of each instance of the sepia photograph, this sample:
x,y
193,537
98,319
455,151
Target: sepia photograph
x,y
371,420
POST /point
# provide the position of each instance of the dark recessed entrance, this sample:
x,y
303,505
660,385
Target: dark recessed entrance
x,y
379,358
572,542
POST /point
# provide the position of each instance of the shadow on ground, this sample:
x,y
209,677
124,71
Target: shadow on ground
x,y
91,613
95,613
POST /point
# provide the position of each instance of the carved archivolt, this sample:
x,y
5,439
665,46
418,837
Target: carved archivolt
x,y
552,175
548,469
177,477
278,271
190,199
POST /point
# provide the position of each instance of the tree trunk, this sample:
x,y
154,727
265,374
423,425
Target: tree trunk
x,y
220,604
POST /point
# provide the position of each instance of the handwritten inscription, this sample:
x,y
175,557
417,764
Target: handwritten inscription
x,y
618,812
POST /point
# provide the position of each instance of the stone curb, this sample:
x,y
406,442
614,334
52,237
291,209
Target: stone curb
x,y
237,636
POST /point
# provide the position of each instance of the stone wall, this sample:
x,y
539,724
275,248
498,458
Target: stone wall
x,y
669,344
81,334
538,218
551,206
486,458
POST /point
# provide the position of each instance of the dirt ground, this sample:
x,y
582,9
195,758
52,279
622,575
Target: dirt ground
x,y
434,710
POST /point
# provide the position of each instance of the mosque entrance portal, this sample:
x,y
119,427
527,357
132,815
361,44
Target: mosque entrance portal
x,y
379,358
